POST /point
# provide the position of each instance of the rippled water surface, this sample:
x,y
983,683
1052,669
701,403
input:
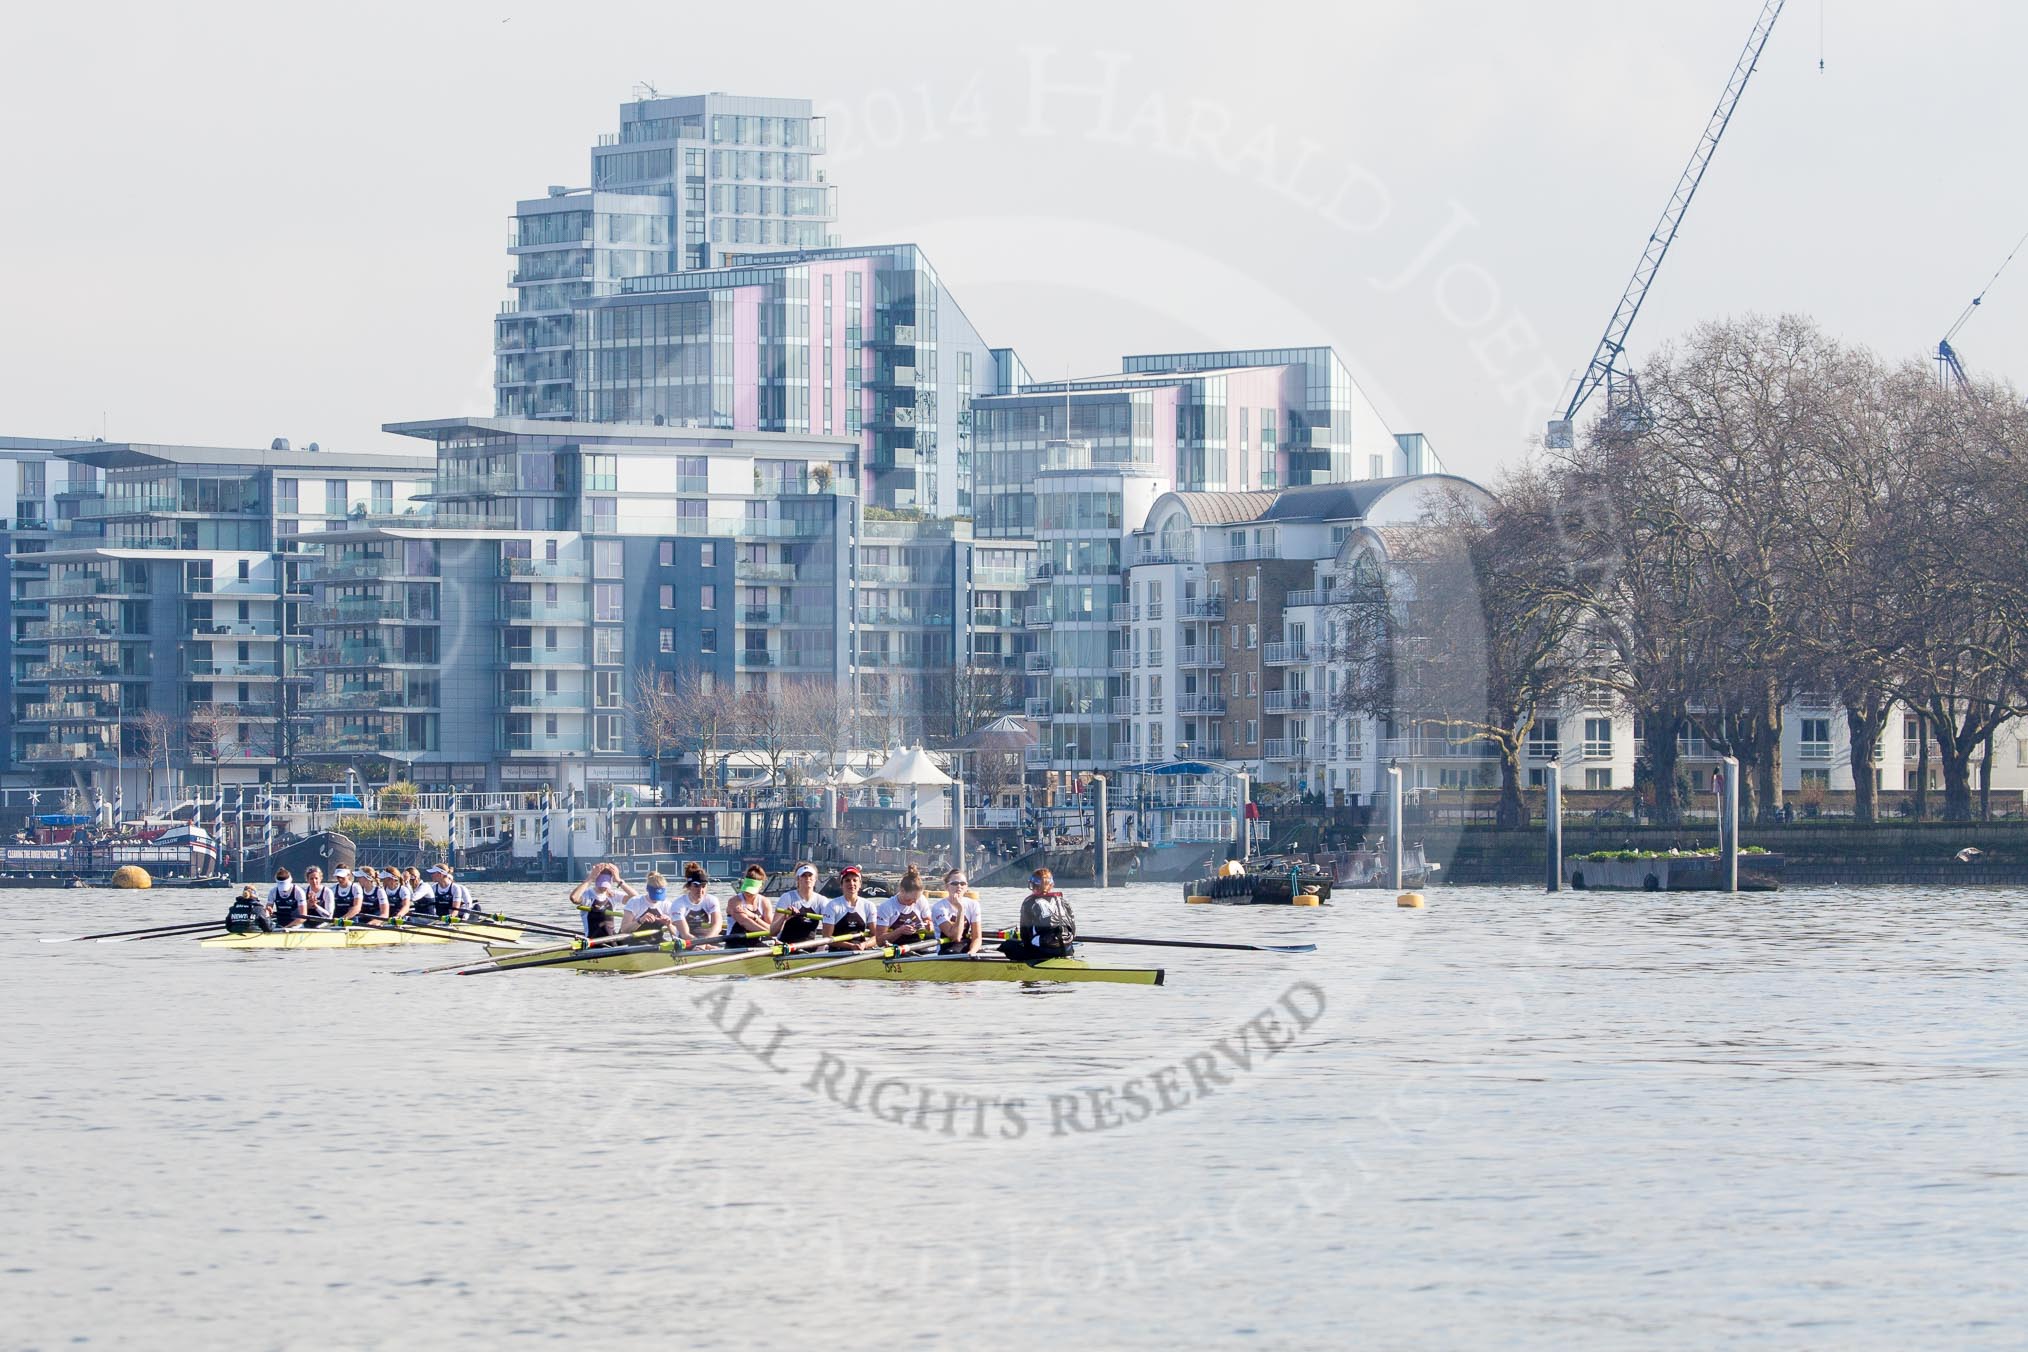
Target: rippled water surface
x,y
1508,1119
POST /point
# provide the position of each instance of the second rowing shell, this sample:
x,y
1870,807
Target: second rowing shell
x,y
361,936
920,967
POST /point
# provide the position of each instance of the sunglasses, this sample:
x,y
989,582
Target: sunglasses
x,y
694,882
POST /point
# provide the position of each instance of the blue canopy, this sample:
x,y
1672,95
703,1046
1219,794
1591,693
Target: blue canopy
x,y
339,800
65,819
1171,768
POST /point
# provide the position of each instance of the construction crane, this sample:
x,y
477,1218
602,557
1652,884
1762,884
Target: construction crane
x,y
1949,371
1621,391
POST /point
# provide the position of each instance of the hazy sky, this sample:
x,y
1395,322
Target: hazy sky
x,y
231,222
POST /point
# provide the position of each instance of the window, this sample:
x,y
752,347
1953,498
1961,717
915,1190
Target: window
x,y
285,496
1253,636
606,601
1817,778
1598,779
1598,743
549,725
606,689
668,640
608,556
1816,738
666,553
707,597
707,640
383,497
245,571
1545,739
1252,731
707,555
668,601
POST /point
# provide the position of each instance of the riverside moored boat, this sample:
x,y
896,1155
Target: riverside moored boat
x,y
956,967
503,936
1266,884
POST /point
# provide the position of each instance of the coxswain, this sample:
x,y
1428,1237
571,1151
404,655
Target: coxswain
x,y
799,912
749,914
319,903
848,918
650,908
249,911
1046,929
603,897
699,915
904,918
956,915
286,902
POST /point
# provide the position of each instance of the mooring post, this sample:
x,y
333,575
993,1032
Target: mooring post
x,y
1101,852
957,823
1394,827
1728,824
1552,816
1242,836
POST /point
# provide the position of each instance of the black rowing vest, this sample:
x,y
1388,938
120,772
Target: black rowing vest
x,y
288,901
848,924
800,925
342,897
1047,927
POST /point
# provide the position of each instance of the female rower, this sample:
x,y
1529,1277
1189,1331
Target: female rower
x,y
348,898
799,912
848,919
749,915
699,915
286,900
650,908
904,918
398,894
319,904
1046,929
957,915
602,896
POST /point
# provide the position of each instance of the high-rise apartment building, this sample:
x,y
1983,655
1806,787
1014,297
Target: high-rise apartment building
x,y
866,344
685,183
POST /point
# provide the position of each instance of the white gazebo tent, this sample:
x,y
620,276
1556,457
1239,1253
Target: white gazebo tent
x,y
913,769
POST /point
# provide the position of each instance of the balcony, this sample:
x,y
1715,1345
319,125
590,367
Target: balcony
x,y
763,572
241,630
1434,748
537,612
326,701
1201,659
71,711
204,669
1814,751
1318,596
1200,704
124,506
347,655
1123,659
66,751
1040,661
1202,608
546,701
351,743
359,610
756,657
1035,617
1285,749
79,586
1037,707
256,588
1285,654
87,628
545,657
354,568
72,671
1285,701
543,568
1154,610
529,744
1125,612
1035,757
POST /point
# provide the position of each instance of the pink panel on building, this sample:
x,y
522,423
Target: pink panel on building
x,y
746,302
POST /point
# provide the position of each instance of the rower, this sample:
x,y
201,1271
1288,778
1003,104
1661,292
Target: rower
x,y
650,909
1047,929
904,918
286,901
319,903
347,897
603,897
749,913
848,920
957,915
400,896
445,898
799,912
249,912
699,915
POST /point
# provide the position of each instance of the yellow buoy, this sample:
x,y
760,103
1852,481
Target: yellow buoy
x,y
1306,899
1410,899
132,875
1197,901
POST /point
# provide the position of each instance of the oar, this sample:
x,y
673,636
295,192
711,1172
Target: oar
x,y
579,946
538,926
771,950
1184,943
196,932
870,955
122,934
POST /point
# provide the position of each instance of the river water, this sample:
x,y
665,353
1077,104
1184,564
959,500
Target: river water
x,y
1507,1119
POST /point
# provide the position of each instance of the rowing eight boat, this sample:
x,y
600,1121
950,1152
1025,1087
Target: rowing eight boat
x,y
365,936
923,967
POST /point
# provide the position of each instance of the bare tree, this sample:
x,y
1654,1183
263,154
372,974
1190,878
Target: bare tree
x,y
658,717
706,715
212,733
154,735
785,722
1465,624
